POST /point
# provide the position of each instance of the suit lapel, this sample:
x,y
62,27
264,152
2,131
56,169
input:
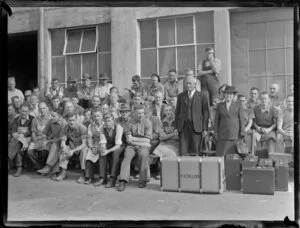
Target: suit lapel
x,y
186,98
225,108
194,98
231,108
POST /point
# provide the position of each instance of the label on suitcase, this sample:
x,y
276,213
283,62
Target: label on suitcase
x,y
281,176
169,180
256,180
265,162
189,171
233,172
212,174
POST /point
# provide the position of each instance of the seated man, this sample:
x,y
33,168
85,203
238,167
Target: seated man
x,y
265,122
114,105
102,90
93,144
39,148
53,131
96,101
21,136
56,105
87,117
111,148
77,107
104,109
137,87
33,105
73,141
69,108
138,140
85,91
16,103
285,125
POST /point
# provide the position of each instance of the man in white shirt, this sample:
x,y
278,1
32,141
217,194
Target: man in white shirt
x,y
103,89
13,91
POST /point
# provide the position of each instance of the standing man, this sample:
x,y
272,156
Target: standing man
x,y
171,86
85,92
191,117
138,143
104,87
275,99
208,72
229,123
13,91
181,84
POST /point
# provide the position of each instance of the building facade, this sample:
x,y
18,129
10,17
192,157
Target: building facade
x,y
255,45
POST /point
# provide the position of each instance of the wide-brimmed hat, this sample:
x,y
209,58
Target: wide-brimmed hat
x,y
124,107
86,76
103,77
230,89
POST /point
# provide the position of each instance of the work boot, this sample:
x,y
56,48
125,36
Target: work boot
x,y
142,184
44,171
111,183
81,179
122,186
62,175
18,172
101,181
88,181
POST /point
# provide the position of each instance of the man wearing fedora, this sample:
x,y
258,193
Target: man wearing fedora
x,y
229,123
85,91
102,90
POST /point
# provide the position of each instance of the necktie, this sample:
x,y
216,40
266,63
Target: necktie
x,y
190,94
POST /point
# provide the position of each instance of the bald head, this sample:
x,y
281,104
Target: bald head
x,y
274,89
43,108
190,83
189,72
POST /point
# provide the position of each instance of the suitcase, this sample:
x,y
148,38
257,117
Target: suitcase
x,y
281,157
281,176
189,174
250,161
212,174
262,153
265,162
233,172
169,180
257,180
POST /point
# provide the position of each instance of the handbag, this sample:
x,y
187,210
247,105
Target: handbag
x,y
242,146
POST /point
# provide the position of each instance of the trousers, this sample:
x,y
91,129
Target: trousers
x,y
189,140
210,83
64,160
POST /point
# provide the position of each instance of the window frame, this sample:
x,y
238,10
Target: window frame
x,y
265,49
82,29
194,44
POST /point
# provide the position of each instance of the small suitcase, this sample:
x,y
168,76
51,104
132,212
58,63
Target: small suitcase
x,y
250,161
281,157
212,174
262,153
169,180
189,171
265,162
233,172
257,180
281,176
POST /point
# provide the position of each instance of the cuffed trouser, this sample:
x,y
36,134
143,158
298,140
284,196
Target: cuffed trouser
x,y
38,157
143,157
64,161
19,159
114,160
210,83
53,155
90,169
189,140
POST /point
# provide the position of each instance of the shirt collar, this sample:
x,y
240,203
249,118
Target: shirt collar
x,y
27,117
265,109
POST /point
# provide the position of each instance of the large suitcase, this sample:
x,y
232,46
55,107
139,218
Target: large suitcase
x,y
250,161
189,174
257,180
281,157
212,174
281,176
233,172
169,180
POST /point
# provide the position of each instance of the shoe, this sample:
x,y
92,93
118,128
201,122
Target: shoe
x,y
80,180
18,172
62,175
99,182
157,177
88,181
136,176
122,186
44,171
111,183
142,184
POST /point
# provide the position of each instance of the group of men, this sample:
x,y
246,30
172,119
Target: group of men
x,y
106,130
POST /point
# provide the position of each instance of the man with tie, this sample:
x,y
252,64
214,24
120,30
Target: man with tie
x,y
191,117
229,123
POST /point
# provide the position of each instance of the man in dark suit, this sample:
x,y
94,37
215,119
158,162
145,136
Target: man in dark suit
x,y
229,123
191,117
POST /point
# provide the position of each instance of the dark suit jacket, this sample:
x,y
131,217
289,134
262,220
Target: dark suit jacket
x,y
229,125
200,112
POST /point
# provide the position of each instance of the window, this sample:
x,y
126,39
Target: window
x,y
174,43
270,52
78,51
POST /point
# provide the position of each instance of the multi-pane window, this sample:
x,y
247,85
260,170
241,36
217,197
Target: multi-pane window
x,y
270,51
174,43
78,51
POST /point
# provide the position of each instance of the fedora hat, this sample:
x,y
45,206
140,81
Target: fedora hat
x,y
125,107
86,76
103,76
230,89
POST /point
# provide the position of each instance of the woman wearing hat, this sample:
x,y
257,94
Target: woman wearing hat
x,y
229,123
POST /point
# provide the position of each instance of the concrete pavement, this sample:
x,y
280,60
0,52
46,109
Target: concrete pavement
x,y
32,197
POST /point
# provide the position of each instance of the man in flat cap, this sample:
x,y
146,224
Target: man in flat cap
x,y
103,89
85,91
